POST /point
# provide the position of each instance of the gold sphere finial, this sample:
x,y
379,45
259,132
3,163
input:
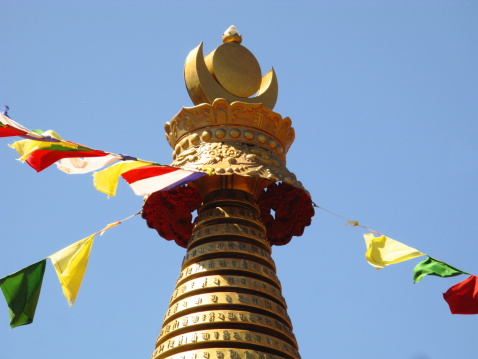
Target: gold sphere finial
x,y
231,35
230,72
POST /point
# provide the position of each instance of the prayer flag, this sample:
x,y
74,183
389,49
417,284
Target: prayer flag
x,y
383,251
22,290
434,267
41,154
149,179
8,127
8,131
463,297
80,166
106,181
70,265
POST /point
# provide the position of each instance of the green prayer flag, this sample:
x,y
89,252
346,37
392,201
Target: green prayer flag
x,y
434,267
22,290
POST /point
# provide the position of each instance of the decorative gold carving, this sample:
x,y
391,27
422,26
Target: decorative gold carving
x,y
236,158
198,302
218,336
224,318
228,229
221,353
226,264
228,281
230,72
231,247
231,213
252,123
227,303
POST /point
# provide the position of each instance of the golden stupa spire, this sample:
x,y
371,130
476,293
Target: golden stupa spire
x,y
228,303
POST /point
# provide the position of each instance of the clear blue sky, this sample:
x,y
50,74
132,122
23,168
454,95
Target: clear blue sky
x,y
383,97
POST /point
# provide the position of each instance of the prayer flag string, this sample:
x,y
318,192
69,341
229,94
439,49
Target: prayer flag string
x,y
22,288
382,251
40,149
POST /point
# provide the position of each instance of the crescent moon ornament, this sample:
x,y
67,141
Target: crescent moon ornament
x,y
230,72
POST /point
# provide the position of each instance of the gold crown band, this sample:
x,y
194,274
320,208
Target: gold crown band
x,y
220,122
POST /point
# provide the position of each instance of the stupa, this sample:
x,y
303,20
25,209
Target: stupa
x,y
228,303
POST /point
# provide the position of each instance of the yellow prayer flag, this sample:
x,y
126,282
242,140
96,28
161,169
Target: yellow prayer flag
x,y
106,180
70,265
383,251
26,147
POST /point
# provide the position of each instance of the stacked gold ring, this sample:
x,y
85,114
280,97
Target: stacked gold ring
x,y
221,318
218,265
232,337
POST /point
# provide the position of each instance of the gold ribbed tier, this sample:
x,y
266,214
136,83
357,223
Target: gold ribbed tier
x,y
228,301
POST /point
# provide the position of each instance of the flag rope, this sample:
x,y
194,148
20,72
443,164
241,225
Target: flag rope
x,y
349,222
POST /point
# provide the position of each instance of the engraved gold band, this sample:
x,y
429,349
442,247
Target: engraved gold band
x,y
221,353
236,134
229,229
226,264
209,216
230,336
228,282
232,248
230,299
225,317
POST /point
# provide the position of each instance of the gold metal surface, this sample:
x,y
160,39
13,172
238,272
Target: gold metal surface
x,y
239,319
220,336
248,140
227,295
204,88
236,158
234,282
228,302
235,215
233,300
221,353
222,265
235,68
239,231
240,122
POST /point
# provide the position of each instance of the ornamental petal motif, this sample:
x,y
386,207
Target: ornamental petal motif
x,y
293,212
169,212
235,158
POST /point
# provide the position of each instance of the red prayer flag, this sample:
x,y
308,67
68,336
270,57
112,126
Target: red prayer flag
x,y
8,131
140,173
43,158
463,297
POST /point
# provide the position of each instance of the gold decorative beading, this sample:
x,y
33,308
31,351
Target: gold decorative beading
x,y
239,138
253,124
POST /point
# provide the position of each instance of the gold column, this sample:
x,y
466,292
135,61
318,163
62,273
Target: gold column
x,y
228,303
